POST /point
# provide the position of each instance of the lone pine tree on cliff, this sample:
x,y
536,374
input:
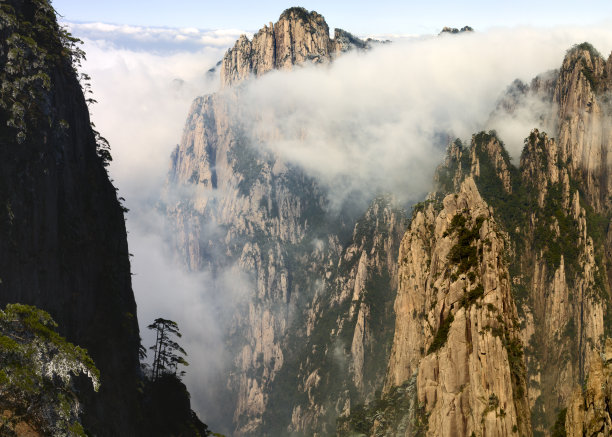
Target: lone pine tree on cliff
x,y
167,352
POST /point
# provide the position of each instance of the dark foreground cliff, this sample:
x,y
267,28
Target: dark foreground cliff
x,y
63,250
63,245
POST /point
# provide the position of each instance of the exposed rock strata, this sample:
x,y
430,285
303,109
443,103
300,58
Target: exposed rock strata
x,y
491,347
350,324
232,204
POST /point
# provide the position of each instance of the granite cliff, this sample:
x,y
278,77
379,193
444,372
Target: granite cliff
x,y
545,223
589,409
247,208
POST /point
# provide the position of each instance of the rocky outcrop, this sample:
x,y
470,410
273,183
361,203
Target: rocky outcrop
x,y
502,277
232,205
454,30
63,245
589,412
557,218
557,277
554,254
456,322
297,37
37,391
305,284
584,133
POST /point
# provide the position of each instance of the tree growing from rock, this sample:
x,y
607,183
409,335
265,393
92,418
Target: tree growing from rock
x,y
168,354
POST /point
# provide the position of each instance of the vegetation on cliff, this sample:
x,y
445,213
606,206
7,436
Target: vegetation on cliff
x,y
37,375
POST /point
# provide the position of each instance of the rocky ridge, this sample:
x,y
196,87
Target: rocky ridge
x,y
551,281
457,325
347,325
232,204
454,30
272,223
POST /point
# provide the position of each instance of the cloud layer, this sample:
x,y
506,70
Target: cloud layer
x,y
162,40
380,121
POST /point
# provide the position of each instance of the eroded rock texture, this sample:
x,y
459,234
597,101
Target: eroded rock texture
x,y
480,322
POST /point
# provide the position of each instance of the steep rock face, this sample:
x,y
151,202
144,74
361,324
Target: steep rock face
x,y
554,251
572,104
349,325
255,223
555,256
232,204
589,412
584,130
246,210
568,297
297,37
270,221
557,217
457,325
494,320
63,243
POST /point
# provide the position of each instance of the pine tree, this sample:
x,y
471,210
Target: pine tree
x,y
167,352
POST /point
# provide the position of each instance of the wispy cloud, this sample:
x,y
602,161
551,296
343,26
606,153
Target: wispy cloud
x,y
154,39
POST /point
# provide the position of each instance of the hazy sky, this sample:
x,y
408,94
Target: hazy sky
x,y
360,17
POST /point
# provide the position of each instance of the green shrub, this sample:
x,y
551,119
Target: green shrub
x,y
472,296
441,335
37,369
558,429
464,253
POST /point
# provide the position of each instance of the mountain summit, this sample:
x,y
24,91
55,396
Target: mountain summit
x,y
297,37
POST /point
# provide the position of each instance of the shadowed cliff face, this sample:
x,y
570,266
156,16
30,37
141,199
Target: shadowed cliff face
x,y
63,245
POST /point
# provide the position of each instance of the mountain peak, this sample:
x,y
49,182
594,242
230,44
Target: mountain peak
x,y
299,36
454,30
298,12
